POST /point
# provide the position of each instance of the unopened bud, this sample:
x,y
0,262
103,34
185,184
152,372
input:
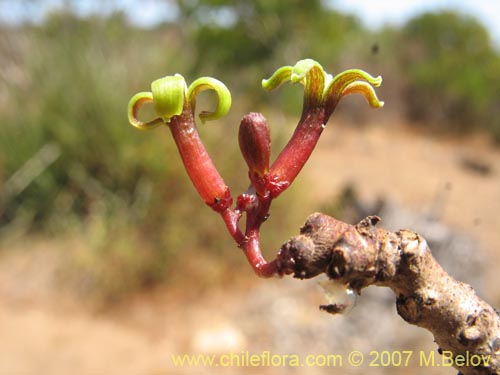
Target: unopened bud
x,y
255,143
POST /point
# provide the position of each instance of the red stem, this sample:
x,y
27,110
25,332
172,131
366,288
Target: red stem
x,y
291,160
216,194
252,251
256,215
202,172
281,174
231,219
199,166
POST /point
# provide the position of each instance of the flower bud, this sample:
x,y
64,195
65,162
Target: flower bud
x,y
255,143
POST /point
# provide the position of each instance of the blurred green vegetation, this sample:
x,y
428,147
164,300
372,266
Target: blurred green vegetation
x,y
452,72
71,166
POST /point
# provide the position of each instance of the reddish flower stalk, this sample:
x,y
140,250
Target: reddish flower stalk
x,y
297,151
322,93
199,166
175,103
202,171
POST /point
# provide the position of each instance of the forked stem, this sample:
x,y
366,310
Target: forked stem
x,y
174,104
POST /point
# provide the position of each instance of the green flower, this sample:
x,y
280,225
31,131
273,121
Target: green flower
x,y
174,104
170,95
321,90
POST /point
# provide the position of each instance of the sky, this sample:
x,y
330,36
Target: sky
x,y
373,13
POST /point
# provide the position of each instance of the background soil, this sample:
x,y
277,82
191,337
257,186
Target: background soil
x,y
45,330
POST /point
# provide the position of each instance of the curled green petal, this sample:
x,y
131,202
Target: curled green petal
x,y
168,96
308,72
349,82
311,74
223,97
137,101
303,68
342,80
359,74
365,89
280,76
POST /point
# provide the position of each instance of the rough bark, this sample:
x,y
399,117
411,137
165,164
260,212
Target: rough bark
x,y
361,255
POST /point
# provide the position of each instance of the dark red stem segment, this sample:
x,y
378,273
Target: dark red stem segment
x,y
256,215
252,251
298,150
231,219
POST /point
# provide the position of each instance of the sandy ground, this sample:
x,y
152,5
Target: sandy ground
x,y
423,173
42,332
428,175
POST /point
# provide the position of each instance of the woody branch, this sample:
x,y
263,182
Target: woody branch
x,y
426,296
